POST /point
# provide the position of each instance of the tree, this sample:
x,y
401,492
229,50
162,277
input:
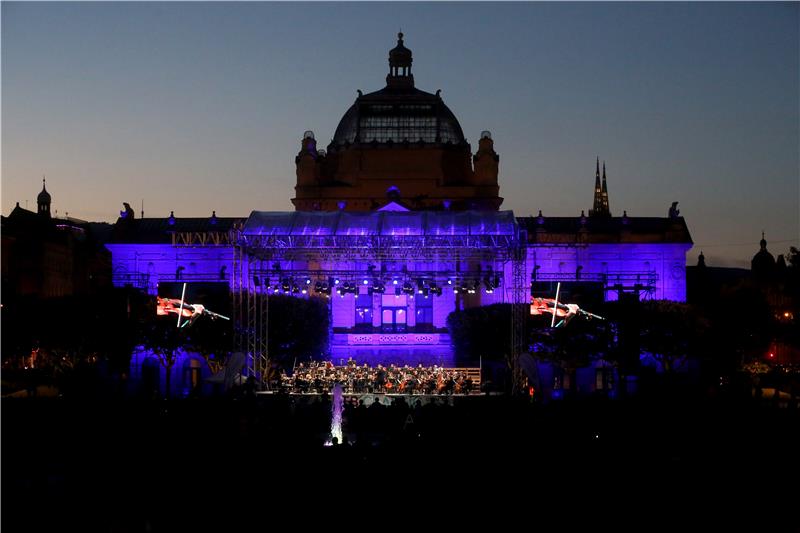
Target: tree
x,y
298,328
670,332
162,336
481,332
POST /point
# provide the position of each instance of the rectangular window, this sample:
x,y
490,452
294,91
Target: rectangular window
x,y
363,311
424,311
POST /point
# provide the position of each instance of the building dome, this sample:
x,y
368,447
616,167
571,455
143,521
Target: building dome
x,y
43,201
44,196
763,263
399,112
387,115
397,138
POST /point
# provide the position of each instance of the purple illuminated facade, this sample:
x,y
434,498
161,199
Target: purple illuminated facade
x,y
391,278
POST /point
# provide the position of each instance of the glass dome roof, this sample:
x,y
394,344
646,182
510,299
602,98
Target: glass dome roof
x,y
395,116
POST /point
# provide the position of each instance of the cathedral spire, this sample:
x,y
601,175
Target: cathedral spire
x,y
600,205
597,176
606,208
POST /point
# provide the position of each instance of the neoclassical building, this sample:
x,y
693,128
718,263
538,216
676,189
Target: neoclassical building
x,y
397,224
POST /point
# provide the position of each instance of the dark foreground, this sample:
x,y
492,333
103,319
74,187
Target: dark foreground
x,y
254,463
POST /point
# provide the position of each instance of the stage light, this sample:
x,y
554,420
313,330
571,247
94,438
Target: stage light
x,y
308,281
336,281
437,291
304,291
449,281
365,282
394,282
379,288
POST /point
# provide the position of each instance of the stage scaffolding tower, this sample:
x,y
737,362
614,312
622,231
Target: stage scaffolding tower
x,y
519,312
251,313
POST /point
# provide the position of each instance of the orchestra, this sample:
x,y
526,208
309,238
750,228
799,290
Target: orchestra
x,y
320,376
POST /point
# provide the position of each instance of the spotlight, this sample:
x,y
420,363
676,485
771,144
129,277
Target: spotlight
x,y
308,281
365,282
394,282
449,281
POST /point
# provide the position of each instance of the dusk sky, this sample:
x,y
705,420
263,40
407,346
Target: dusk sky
x,y
194,107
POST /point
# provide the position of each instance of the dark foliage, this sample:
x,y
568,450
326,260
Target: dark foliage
x,y
481,332
298,329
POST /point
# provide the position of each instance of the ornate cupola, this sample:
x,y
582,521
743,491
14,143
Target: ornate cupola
x,y
400,65
43,201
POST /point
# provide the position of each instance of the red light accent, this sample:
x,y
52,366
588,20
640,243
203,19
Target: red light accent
x,y
772,355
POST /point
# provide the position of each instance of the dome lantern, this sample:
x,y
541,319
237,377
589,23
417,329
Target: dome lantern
x,y
400,65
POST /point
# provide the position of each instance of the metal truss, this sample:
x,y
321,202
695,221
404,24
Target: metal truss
x,y
378,248
519,310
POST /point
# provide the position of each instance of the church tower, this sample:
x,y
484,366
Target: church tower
x,y
600,206
43,201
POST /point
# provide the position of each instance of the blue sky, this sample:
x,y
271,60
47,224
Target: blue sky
x,y
195,107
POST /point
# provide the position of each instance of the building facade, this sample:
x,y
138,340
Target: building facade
x,y
397,225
